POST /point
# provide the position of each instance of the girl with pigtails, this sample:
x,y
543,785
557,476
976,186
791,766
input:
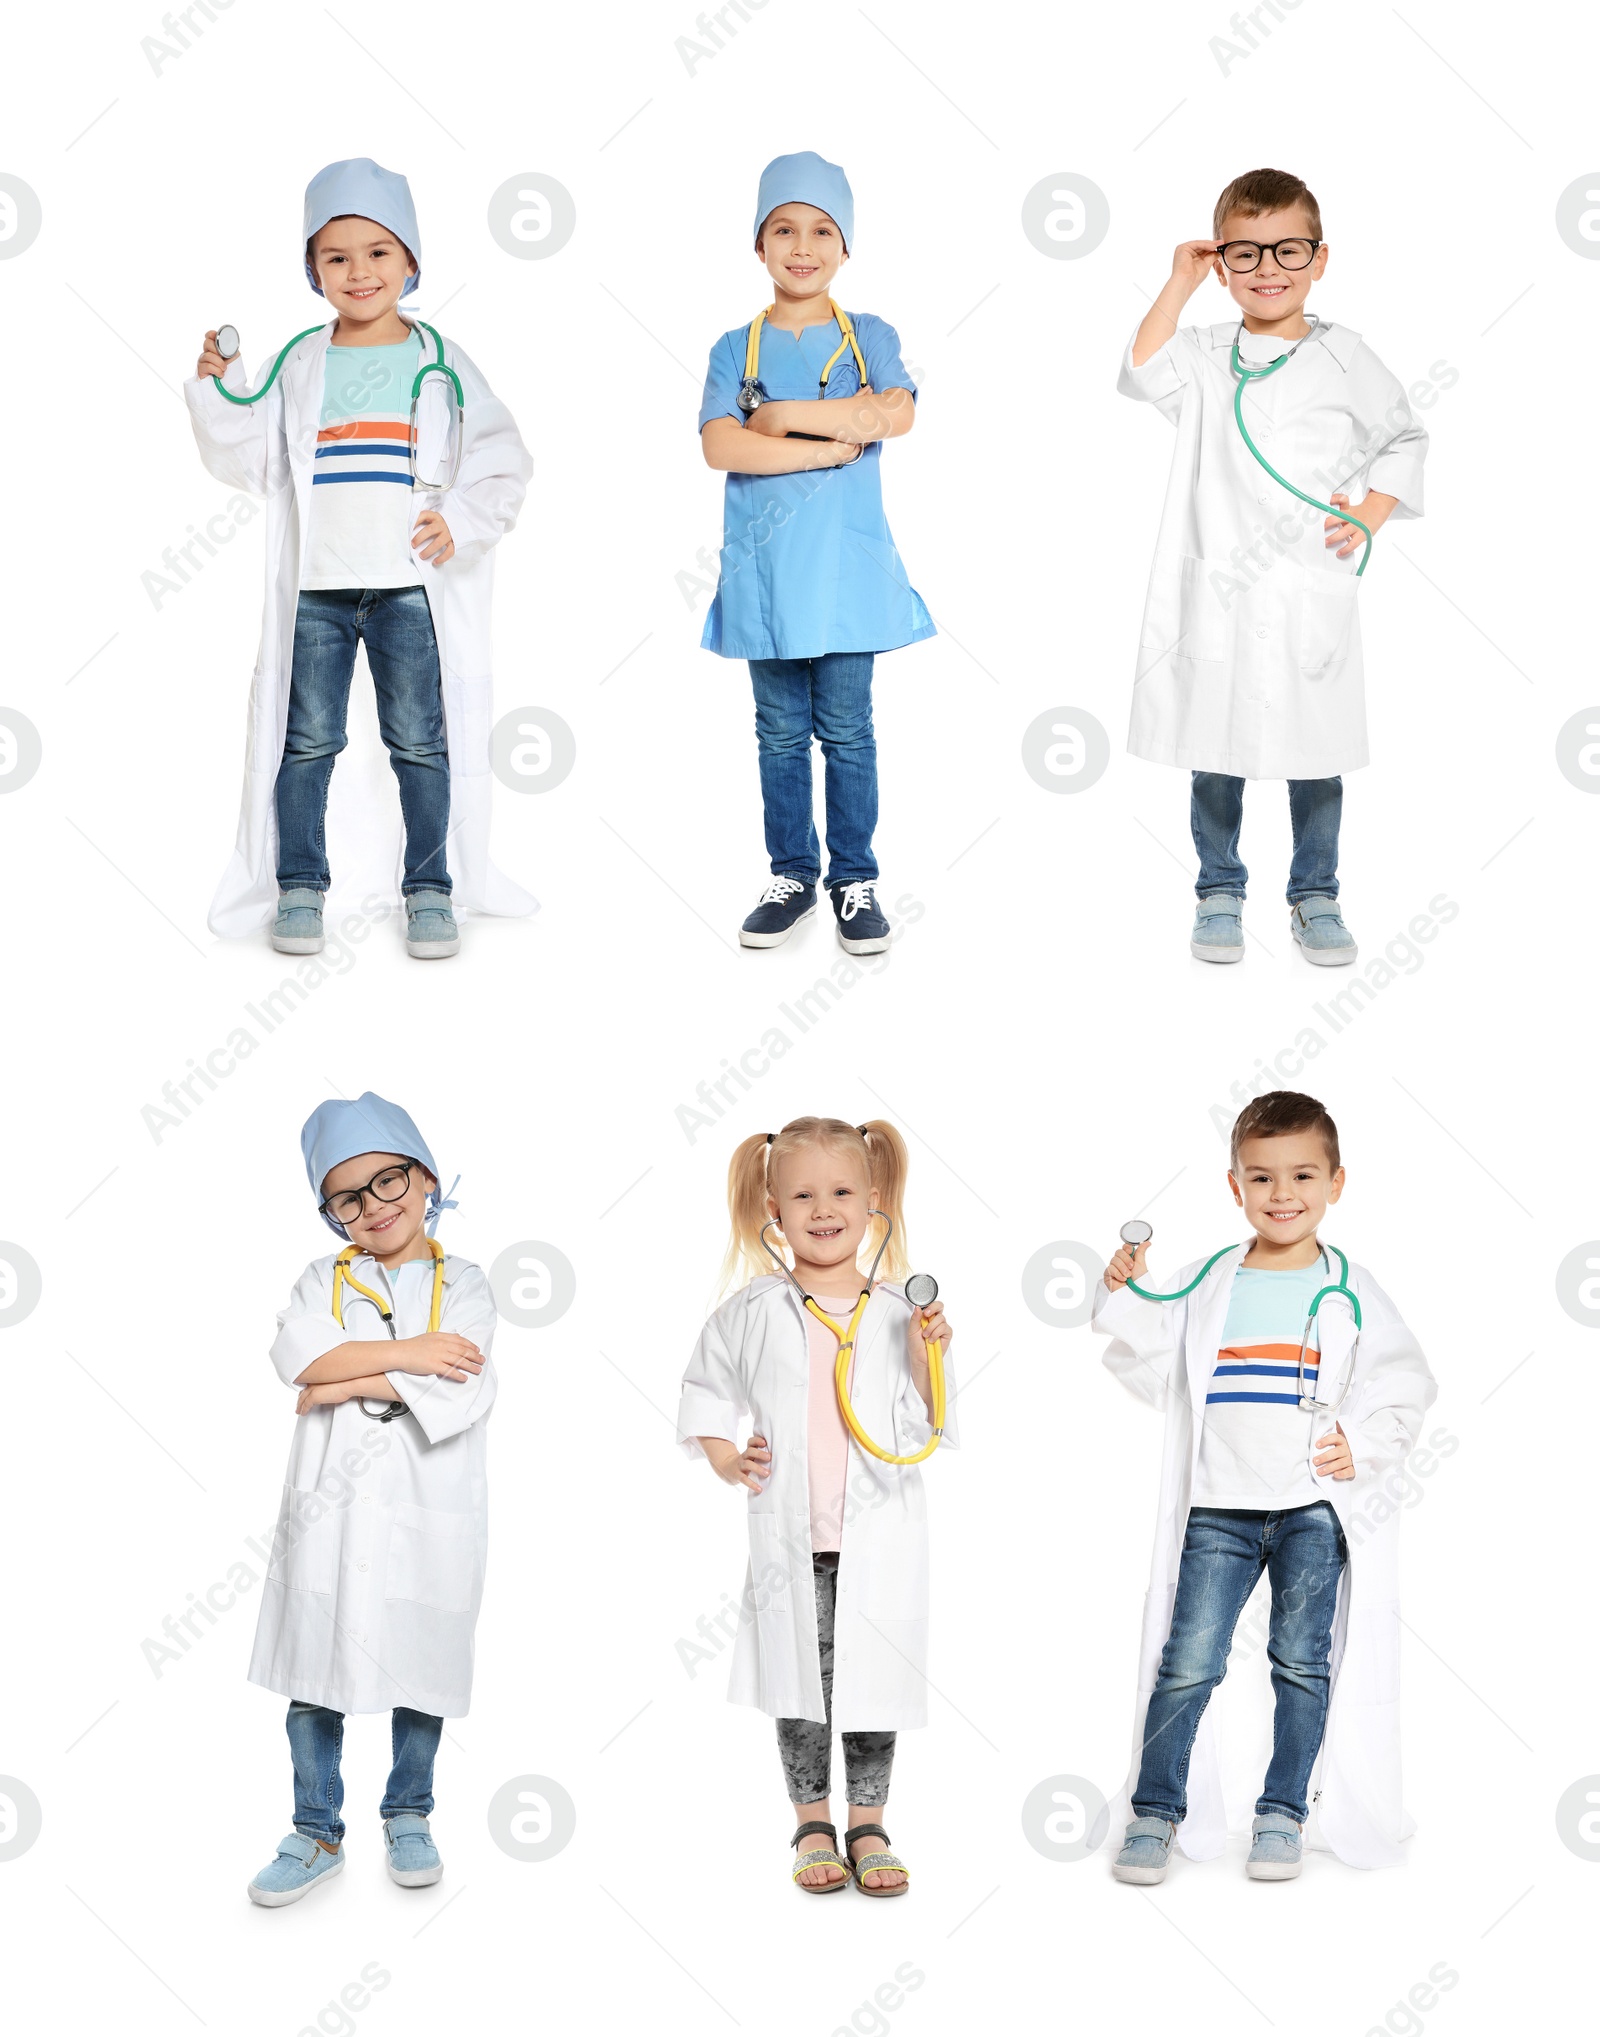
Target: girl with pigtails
x,y
833,1622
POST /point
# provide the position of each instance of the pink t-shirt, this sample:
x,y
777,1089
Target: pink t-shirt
x,y
827,1438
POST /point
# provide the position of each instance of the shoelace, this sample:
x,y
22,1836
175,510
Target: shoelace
x,y
780,891
857,898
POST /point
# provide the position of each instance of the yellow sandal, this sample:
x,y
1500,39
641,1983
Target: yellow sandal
x,y
821,1858
870,1863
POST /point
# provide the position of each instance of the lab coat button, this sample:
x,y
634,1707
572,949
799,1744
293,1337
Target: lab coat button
x,y
363,1565
1261,629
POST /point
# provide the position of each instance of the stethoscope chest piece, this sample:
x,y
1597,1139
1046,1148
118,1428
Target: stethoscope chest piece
x,y
227,341
922,1290
751,395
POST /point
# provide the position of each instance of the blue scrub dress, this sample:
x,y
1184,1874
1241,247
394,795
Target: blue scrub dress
x,y
807,564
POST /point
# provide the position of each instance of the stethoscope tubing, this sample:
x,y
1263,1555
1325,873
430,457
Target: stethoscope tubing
x,y
845,1335
1308,1402
437,366
1243,376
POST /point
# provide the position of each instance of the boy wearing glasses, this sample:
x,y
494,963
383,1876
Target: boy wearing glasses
x,y
1250,654
377,1563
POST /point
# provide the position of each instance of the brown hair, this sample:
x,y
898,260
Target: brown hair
x,y
1259,191
1280,1112
876,1145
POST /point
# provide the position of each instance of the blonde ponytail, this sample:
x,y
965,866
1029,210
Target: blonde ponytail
x,y
886,1160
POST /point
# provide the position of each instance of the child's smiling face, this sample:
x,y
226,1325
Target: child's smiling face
x,y
819,1199
362,268
388,1231
1284,1186
1270,295
802,249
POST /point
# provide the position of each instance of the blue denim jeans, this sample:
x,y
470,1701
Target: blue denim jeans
x,y
829,698
1224,1552
1216,806
316,1740
397,628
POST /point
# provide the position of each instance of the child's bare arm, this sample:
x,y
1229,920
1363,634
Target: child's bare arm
x,y
856,420
1192,261
732,449
440,1353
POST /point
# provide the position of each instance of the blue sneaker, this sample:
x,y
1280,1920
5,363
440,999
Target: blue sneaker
x,y
297,930
431,930
863,930
413,1858
1218,929
1146,1847
300,1866
1319,927
1274,1849
779,910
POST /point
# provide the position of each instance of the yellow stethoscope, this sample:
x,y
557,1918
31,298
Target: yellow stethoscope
x,y
388,1410
921,1290
752,395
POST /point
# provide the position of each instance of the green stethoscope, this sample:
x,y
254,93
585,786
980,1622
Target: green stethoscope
x,y
1139,1233
228,347
1244,376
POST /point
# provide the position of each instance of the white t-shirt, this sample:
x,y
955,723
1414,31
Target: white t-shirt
x,y
361,496
1253,1431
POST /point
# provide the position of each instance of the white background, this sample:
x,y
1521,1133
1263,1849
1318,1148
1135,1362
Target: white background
x,y
1039,1031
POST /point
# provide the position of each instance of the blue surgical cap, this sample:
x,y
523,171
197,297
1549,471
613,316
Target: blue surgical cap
x,y
366,190
805,179
338,1130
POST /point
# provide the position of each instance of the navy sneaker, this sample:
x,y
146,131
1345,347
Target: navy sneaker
x,y
779,910
863,930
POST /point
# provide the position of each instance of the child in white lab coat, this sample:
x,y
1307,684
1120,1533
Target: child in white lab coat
x,y
1292,1392
833,1526
378,1560
1250,654
371,540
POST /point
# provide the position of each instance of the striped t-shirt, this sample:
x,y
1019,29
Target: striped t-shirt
x,y
361,502
1253,1434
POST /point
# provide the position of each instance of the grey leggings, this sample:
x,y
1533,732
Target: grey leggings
x,y
804,1746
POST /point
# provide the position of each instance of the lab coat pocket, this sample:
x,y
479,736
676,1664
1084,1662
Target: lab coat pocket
x,y
432,1558
1184,615
1327,614
305,1550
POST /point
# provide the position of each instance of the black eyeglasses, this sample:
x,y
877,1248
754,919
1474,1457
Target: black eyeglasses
x,y
1243,255
389,1186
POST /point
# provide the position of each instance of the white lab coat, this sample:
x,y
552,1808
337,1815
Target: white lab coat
x,y
268,448
753,1363
1165,1354
377,1565
1250,650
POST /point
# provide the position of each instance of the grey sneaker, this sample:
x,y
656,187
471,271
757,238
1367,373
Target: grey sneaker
x,y
1218,929
1146,1846
1318,926
297,930
1275,1849
431,930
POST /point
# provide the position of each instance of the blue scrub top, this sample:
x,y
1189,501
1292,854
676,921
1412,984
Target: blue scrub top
x,y
808,565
